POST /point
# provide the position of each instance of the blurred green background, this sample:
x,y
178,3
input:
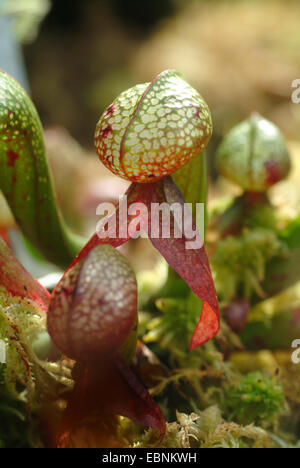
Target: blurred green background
x,y
242,55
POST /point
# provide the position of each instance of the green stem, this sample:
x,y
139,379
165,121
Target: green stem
x,y
192,182
282,273
291,234
235,217
25,178
274,323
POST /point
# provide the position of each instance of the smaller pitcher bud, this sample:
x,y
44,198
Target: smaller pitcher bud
x,y
153,129
254,155
94,307
236,314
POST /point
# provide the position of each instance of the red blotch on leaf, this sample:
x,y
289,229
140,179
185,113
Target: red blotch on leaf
x,y
110,109
106,131
11,158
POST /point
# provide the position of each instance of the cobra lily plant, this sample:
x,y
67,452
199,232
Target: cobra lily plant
x,y
153,135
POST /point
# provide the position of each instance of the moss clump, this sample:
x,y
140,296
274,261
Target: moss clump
x,y
26,382
176,324
255,399
26,377
239,262
206,429
16,431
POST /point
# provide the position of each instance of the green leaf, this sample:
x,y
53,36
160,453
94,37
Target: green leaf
x,y
24,175
191,179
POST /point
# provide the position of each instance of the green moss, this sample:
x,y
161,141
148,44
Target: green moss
x,y
176,324
206,429
16,429
255,399
239,262
26,382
